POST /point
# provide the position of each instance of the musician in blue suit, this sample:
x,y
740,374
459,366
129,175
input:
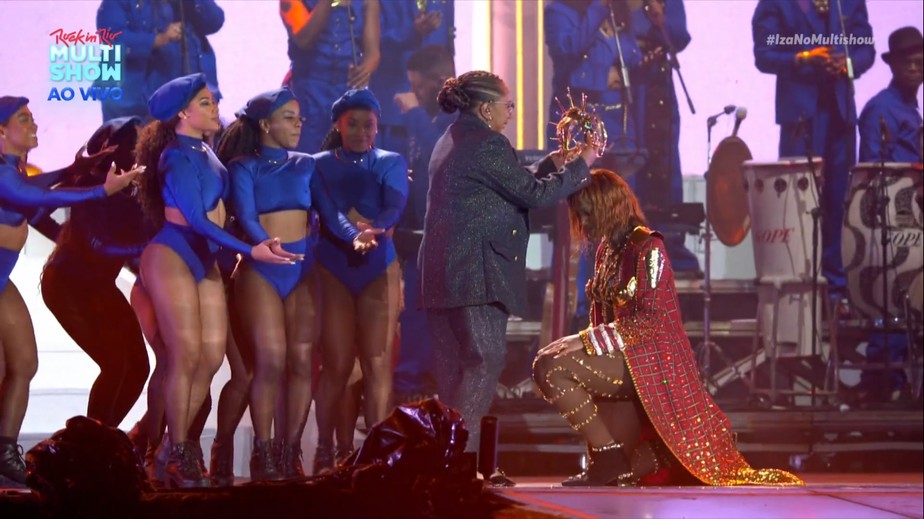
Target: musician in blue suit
x,y
815,98
407,26
660,26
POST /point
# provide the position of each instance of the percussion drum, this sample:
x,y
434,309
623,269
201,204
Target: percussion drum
x,y
898,185
782,197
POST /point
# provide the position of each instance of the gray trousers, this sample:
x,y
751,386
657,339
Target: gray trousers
x,y
469,351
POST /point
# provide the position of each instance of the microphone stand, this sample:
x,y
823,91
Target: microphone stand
x,y
672,59
624,71
882,202
184,45
816,218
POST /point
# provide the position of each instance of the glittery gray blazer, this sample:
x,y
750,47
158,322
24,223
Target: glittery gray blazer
x,y
477,226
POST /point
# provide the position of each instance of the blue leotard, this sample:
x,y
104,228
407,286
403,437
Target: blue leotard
x,y
375,185
274,180
194,182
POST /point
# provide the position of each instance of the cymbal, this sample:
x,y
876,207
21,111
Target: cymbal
x,y
726,197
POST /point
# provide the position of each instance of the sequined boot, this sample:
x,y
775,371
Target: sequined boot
x,y
221,465
608,466
262,462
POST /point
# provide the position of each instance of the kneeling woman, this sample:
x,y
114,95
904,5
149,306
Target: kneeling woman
x,y
275,304
636,355
183,190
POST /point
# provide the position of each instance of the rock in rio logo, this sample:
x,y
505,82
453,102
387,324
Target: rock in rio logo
x,y
81,56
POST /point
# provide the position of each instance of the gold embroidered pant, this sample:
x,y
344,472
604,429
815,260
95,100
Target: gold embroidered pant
x,y
596,396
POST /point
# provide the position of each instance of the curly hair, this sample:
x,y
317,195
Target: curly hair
x,y
466,92
610,206
332,140
151,143
242,137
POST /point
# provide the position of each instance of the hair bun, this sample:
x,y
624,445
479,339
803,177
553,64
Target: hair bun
x,y
453,97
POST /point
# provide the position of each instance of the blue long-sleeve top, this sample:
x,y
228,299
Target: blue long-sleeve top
x,y
903,122
142,65
194,182
675,25
423,131
202,18
798,87
581,54
332,53
274,180
373,183
20,194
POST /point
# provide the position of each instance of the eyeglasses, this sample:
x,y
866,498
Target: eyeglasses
x,y
509,105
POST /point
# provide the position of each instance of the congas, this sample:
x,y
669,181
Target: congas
x,y
782,197
883,198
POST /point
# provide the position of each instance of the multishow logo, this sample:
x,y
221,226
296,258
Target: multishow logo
x,y
80,56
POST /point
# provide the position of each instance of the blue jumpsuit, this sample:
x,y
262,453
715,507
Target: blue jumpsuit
x,y
375,185
399,41
19,194
274,180
319,74
581,59
194,182
810,106
201,18
143,66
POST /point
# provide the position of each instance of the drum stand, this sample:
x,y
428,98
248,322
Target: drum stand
x,y
707,346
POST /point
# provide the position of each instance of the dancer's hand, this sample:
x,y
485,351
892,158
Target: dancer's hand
x,y
276,247
116,181
366,238
263,251
562,346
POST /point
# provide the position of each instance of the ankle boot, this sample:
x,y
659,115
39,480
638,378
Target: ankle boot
x,y
323,459
608,466
12,465
221,467
161,457
342,454
262,462
200,456
139,440
183,469
290,461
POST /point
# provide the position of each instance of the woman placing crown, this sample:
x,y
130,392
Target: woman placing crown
x,y
473,255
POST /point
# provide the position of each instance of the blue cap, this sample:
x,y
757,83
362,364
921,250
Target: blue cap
x,y
356,98
173,96
9,105
117,132
263,105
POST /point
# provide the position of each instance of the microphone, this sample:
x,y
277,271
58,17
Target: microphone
x,y
740,114
710,122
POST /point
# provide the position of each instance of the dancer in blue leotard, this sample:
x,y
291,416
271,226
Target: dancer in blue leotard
x,y
20,194
361,193
184,190
271,195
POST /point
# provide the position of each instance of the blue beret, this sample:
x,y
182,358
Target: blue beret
x,y
9,105
116,131
355,98
263,105
173,96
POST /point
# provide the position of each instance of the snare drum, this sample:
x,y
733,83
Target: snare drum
x,y
899,186
782,196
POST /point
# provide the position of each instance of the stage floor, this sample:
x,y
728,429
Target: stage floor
x,y
835,496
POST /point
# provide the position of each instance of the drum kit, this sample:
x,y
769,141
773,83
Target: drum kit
x,y
882,250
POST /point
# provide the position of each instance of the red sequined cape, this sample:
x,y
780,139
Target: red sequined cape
x,y
662,365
